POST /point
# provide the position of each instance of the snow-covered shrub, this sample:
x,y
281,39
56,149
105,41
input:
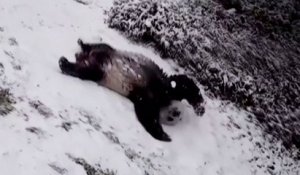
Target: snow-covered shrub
x,y
239,53
274,18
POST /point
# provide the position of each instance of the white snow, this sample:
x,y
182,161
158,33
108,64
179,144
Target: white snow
x,y
173,84
148,23
86,62
99,125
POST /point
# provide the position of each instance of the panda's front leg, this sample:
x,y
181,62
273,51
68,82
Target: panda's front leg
x,y
147,116
147,113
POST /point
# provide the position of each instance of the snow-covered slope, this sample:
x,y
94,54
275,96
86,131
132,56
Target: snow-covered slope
x,y
63,125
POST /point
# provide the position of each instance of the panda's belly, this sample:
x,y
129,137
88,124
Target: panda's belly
x,y
122,77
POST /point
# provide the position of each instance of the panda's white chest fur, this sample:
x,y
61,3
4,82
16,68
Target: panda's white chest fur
x,y
121,75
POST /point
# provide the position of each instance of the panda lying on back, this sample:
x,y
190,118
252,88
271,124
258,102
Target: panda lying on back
x,y
136,77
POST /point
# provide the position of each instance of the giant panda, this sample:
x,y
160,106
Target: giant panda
x,y
135,77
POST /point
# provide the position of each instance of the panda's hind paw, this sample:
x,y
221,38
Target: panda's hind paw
x,y
63,64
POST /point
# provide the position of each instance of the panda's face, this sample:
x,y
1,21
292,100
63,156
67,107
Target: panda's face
x,y
171,115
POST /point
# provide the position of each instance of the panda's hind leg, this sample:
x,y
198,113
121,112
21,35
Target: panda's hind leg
x,y
82,71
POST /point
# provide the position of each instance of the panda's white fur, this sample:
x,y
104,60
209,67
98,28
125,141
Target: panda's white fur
x,y
124,70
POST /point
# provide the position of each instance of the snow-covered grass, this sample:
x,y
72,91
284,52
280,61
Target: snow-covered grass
x,y
63,125
229,52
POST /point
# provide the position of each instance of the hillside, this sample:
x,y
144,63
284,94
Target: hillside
x,y
55,124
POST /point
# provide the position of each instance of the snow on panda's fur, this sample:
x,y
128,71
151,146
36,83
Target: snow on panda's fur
x,y
135,77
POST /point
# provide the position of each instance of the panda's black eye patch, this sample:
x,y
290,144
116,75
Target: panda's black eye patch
x,y
170,119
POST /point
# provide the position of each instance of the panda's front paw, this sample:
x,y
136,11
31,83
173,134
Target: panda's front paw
x,y
63,64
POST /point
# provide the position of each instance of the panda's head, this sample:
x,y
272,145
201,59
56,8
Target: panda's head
x,y
183,87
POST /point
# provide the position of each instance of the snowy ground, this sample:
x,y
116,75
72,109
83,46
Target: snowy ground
x,y
63,125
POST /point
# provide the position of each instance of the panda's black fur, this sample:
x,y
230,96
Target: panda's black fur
x,y
136,77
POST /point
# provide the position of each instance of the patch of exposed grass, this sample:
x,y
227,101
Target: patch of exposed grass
x,y
6,102
90,169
